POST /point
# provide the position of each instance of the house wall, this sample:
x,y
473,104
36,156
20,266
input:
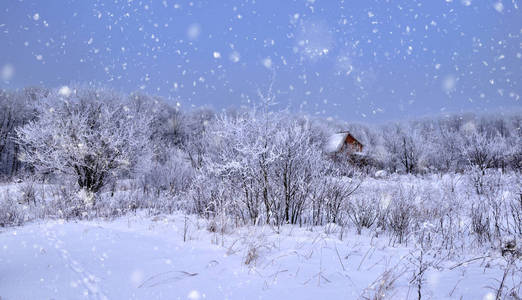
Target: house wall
x,y
352,142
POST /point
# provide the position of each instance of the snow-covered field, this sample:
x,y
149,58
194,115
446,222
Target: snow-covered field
x,y
140,257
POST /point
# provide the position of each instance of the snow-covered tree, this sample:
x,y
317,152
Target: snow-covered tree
x,y
270,168
405,146
16,109
483,151
85,133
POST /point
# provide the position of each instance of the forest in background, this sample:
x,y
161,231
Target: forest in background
x,y
439,144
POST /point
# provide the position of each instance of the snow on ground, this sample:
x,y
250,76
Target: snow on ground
x,y
138,257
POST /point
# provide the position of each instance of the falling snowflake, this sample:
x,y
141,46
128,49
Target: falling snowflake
x,y
267,62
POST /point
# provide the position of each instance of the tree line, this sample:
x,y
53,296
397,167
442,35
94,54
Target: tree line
x,y
28,117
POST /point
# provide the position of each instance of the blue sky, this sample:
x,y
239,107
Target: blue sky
x,y
352,60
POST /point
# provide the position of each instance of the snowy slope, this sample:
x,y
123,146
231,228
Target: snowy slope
x,y
146,258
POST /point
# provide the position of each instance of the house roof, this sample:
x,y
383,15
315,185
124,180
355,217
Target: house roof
x,y
336,141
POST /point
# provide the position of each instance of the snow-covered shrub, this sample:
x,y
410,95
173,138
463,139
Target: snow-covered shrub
x,y
11,212
483,150
27,192
515,214
448,213
196,127
481,222
112,205
171,175
363,212
401,213
329,198
494,197
64,203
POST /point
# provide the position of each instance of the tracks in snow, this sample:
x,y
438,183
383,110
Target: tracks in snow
x,y
85,279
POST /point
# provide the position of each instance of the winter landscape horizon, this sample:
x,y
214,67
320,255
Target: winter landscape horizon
x,y
242,149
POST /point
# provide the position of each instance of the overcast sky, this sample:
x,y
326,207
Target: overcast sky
x,y
353,60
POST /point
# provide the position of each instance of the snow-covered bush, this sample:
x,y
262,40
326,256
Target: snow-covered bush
x,y
11,212
363,212
65,203
481,222
330,198
27,192
481,150
401,213
172,174
515,214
